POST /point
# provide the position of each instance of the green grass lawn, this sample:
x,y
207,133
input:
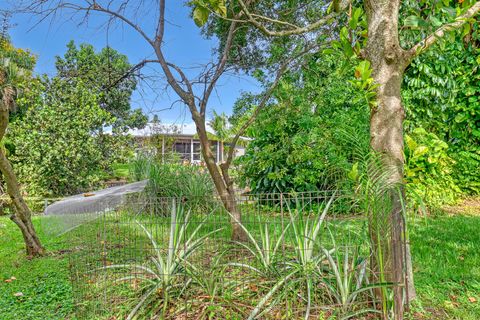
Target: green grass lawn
x,y
446,253
42,289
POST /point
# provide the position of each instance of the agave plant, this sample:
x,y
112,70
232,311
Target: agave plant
x,y
349,279
161,269
265,251
306,268
210,300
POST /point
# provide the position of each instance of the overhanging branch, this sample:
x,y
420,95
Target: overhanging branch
x,y
294,30
440,32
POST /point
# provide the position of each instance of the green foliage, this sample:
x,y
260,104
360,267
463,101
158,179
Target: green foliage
x,y
419,18
266,252
428,168
303,273
445,279
190,183
55,144
441,90
203,8
16,67
108,75
300,139
44,283
364,82
348,280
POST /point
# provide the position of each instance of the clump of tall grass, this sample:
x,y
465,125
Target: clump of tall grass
x,y
192,184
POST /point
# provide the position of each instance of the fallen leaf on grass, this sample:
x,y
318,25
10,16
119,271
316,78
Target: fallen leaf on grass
x,y
10,279
472,299
253,287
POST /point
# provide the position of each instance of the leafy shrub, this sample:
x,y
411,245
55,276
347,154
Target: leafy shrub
x,y
299,143
55,145
441,94
192,184
428,169
466,169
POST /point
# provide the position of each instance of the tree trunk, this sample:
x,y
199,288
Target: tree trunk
x,y
21,214
388,61
222,184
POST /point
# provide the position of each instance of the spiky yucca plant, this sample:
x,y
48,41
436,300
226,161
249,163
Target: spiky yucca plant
x,y
305,269
163,268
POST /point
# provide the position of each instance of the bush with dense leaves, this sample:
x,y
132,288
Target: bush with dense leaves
x,y
307,139
428,169
441,93
55,145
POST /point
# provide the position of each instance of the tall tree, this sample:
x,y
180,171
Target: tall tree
x,y
107,75
57,149
15,73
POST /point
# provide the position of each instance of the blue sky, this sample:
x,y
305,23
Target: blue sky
x,y
184,46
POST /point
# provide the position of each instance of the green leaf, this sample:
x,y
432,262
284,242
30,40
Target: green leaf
x,y
420,151
353,174
414,22
411,144
200,15
221,9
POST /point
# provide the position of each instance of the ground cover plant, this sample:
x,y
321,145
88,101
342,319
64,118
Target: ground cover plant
x,y
295,285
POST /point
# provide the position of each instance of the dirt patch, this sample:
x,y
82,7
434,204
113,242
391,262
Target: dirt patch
x,y
470,206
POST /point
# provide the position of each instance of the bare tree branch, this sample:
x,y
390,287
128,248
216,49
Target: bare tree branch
x,y
96,7
161,24
252,18
219,69
440,32
133,69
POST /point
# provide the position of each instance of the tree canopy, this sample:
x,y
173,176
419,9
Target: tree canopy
x,y
109,75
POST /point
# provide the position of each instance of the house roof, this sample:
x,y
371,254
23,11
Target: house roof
x,y
187,131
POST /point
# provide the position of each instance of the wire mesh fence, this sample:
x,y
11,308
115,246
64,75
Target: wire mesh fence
x,y
302,256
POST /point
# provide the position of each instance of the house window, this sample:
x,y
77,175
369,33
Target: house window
x,y
197,155
214,149
182,148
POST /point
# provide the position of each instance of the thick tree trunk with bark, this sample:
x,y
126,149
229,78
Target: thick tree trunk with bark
x,y
388,61
21,213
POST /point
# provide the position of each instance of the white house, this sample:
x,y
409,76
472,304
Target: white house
x,y
181,141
